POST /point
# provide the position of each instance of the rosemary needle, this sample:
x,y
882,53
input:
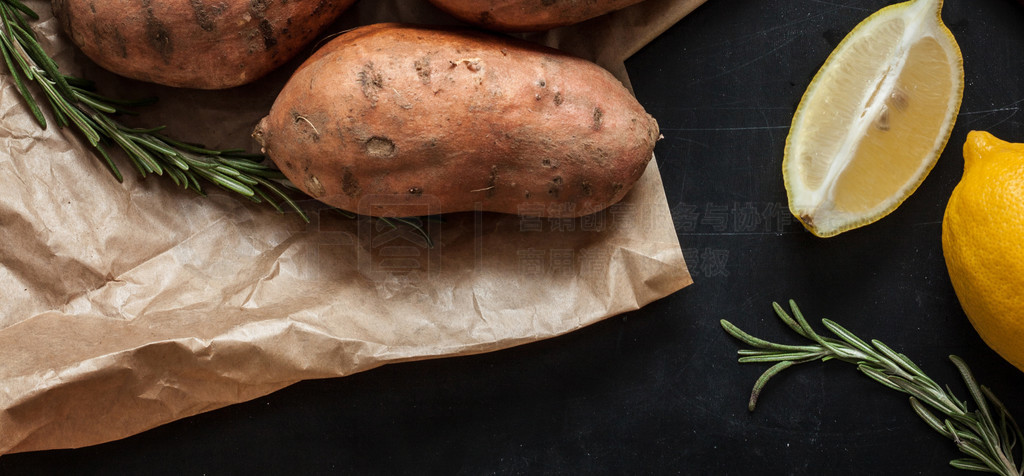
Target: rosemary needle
x,y
988,435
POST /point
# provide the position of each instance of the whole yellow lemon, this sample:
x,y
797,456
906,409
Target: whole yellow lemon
x,y
983,242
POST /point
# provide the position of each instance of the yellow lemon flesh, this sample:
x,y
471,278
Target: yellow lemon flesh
x,y
874,120
983,242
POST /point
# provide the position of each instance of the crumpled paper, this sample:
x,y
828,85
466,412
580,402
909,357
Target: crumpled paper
x,y
127,306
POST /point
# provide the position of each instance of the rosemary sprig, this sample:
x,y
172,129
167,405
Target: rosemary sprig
x,y
989,440
74,101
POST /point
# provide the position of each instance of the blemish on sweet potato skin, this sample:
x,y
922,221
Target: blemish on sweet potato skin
x,y
371,82
205,14
157,34
598,119
555,187
349,183
313,185
205,44
305,126
380,147
423,69
464,140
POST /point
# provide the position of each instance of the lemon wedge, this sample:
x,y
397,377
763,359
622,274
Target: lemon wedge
x,y
874,119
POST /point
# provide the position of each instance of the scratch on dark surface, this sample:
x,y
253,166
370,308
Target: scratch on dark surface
x,y
789,26
840,5
740,233
747,63
751,128
767,124
1013,108
989,111
691,141
736,105
1007,118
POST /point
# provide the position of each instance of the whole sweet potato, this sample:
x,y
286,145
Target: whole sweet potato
x,y
528,15
205,44
387,119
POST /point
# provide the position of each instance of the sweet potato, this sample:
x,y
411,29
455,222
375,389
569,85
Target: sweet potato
x,y
205,44
528,15
387,119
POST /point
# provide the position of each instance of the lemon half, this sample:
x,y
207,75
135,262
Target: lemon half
x,y
874,119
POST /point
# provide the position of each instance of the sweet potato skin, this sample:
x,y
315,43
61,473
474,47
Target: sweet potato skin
x,y
203,44
391,120
528,15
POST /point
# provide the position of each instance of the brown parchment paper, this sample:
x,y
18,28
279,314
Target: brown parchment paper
x,y
126,306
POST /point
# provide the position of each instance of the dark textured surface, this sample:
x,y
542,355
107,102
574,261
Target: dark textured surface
x,y
658,391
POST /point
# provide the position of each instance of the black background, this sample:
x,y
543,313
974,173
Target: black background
x,y
659,390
